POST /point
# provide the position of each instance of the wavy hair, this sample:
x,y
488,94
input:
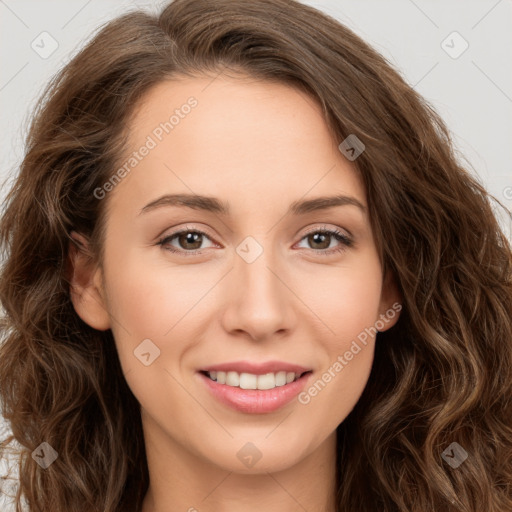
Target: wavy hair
x,y
442,374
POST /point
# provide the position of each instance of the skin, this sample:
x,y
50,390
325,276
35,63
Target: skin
x,y
258,146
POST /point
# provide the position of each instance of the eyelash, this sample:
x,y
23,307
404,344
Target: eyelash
x,y
338,235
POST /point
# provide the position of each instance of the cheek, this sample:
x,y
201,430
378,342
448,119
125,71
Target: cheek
x,y
149,295
349,304
345,299
339,383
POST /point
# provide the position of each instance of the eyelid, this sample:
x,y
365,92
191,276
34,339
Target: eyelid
x,y
187,227
313,229
326,227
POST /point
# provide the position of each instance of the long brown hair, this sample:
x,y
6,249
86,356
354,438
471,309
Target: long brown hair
x,y
442,375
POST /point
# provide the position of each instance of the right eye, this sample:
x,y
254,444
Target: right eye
x,y
184,237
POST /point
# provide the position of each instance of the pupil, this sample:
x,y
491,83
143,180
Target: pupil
x,y
320,238
191,238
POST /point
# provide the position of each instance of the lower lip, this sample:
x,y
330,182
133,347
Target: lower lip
x,y
256,401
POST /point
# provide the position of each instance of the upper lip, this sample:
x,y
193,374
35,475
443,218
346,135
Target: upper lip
x,y
257,368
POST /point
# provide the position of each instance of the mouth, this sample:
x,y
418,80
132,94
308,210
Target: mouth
x,y
254,393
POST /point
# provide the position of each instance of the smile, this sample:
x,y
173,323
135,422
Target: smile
x,y
262,393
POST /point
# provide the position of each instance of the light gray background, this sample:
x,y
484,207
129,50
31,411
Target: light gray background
x,y
472,92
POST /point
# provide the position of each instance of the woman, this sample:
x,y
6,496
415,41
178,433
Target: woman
x,y
338,335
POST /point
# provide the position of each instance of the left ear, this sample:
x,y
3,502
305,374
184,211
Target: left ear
x,y
390,303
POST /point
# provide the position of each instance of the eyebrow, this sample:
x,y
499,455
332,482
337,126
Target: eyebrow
x,y
214,205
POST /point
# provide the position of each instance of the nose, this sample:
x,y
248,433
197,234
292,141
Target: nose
x,y
260,303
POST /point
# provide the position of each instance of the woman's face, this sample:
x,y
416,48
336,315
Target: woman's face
x,y
252,278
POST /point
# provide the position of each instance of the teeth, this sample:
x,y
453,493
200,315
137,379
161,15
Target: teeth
x,y
232,379
248,381
251,381
281,378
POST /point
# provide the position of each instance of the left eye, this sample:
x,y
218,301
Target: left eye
x,y
319,236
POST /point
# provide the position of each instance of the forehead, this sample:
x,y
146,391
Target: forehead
x,y
235,136
270,111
